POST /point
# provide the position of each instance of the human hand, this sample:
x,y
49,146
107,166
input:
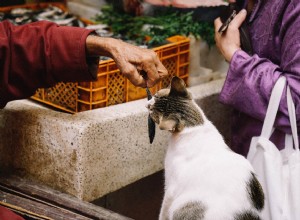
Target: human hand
x,y
131,60
229,42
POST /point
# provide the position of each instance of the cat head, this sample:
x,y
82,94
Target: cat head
x,y
173,108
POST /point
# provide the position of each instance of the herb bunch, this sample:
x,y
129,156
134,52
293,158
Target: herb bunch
x,y
159,27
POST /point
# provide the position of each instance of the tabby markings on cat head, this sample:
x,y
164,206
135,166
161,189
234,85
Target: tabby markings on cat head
x,y
173,108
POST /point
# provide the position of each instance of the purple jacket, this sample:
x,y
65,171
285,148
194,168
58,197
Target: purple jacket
x,y
275,33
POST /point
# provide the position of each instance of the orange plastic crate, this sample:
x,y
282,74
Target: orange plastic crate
x,y
111,86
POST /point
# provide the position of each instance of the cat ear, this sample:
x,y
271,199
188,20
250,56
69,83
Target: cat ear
x,y
178,87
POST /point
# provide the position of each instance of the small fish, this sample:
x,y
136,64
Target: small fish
x,y
151,123
149,96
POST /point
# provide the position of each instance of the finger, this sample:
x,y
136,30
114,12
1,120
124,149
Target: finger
x,y
217,23
152,75
162,71
156,72
238,19
133,75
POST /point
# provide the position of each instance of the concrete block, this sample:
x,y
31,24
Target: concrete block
x,y
92,153
206,63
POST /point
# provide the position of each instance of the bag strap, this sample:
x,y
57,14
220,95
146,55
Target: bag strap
x,y
292,117
272,110
273,107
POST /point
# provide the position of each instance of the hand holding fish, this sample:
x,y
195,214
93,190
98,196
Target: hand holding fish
x,y
130,59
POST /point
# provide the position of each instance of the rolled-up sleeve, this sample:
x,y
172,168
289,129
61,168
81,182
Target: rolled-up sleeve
x,y
39,55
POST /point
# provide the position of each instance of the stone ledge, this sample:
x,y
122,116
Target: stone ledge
x,y
92,153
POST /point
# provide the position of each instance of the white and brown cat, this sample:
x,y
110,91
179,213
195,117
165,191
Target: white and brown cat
x,y
204,178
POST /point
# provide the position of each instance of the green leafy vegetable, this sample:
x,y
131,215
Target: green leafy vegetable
x,y
159,27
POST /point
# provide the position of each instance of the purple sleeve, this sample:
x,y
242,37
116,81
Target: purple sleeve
x,y
249,82
250,79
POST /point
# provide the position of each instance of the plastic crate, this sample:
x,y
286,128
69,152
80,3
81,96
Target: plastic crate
x,y
111,86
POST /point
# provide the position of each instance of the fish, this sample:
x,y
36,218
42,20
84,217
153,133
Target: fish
x,y
19,16
151,123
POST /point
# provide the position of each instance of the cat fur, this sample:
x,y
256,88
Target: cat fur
x,y
204,178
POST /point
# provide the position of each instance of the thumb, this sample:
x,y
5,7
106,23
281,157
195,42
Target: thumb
x,y
239,19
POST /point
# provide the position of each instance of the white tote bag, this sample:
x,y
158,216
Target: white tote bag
x,y
278,171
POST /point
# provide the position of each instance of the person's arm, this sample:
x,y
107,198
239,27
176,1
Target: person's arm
x,y
250,79
41,54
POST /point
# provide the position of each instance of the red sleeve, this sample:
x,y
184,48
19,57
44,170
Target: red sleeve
x,y
39,55
6,214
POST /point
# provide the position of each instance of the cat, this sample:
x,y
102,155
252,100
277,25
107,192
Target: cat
x,y
204,178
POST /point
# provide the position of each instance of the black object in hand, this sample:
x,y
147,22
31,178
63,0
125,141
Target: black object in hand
x,y
226,17
151,123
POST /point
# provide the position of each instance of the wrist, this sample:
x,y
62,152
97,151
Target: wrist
x,y
229,53
99,46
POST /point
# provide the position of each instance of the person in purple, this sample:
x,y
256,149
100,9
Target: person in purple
x,y
274,28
